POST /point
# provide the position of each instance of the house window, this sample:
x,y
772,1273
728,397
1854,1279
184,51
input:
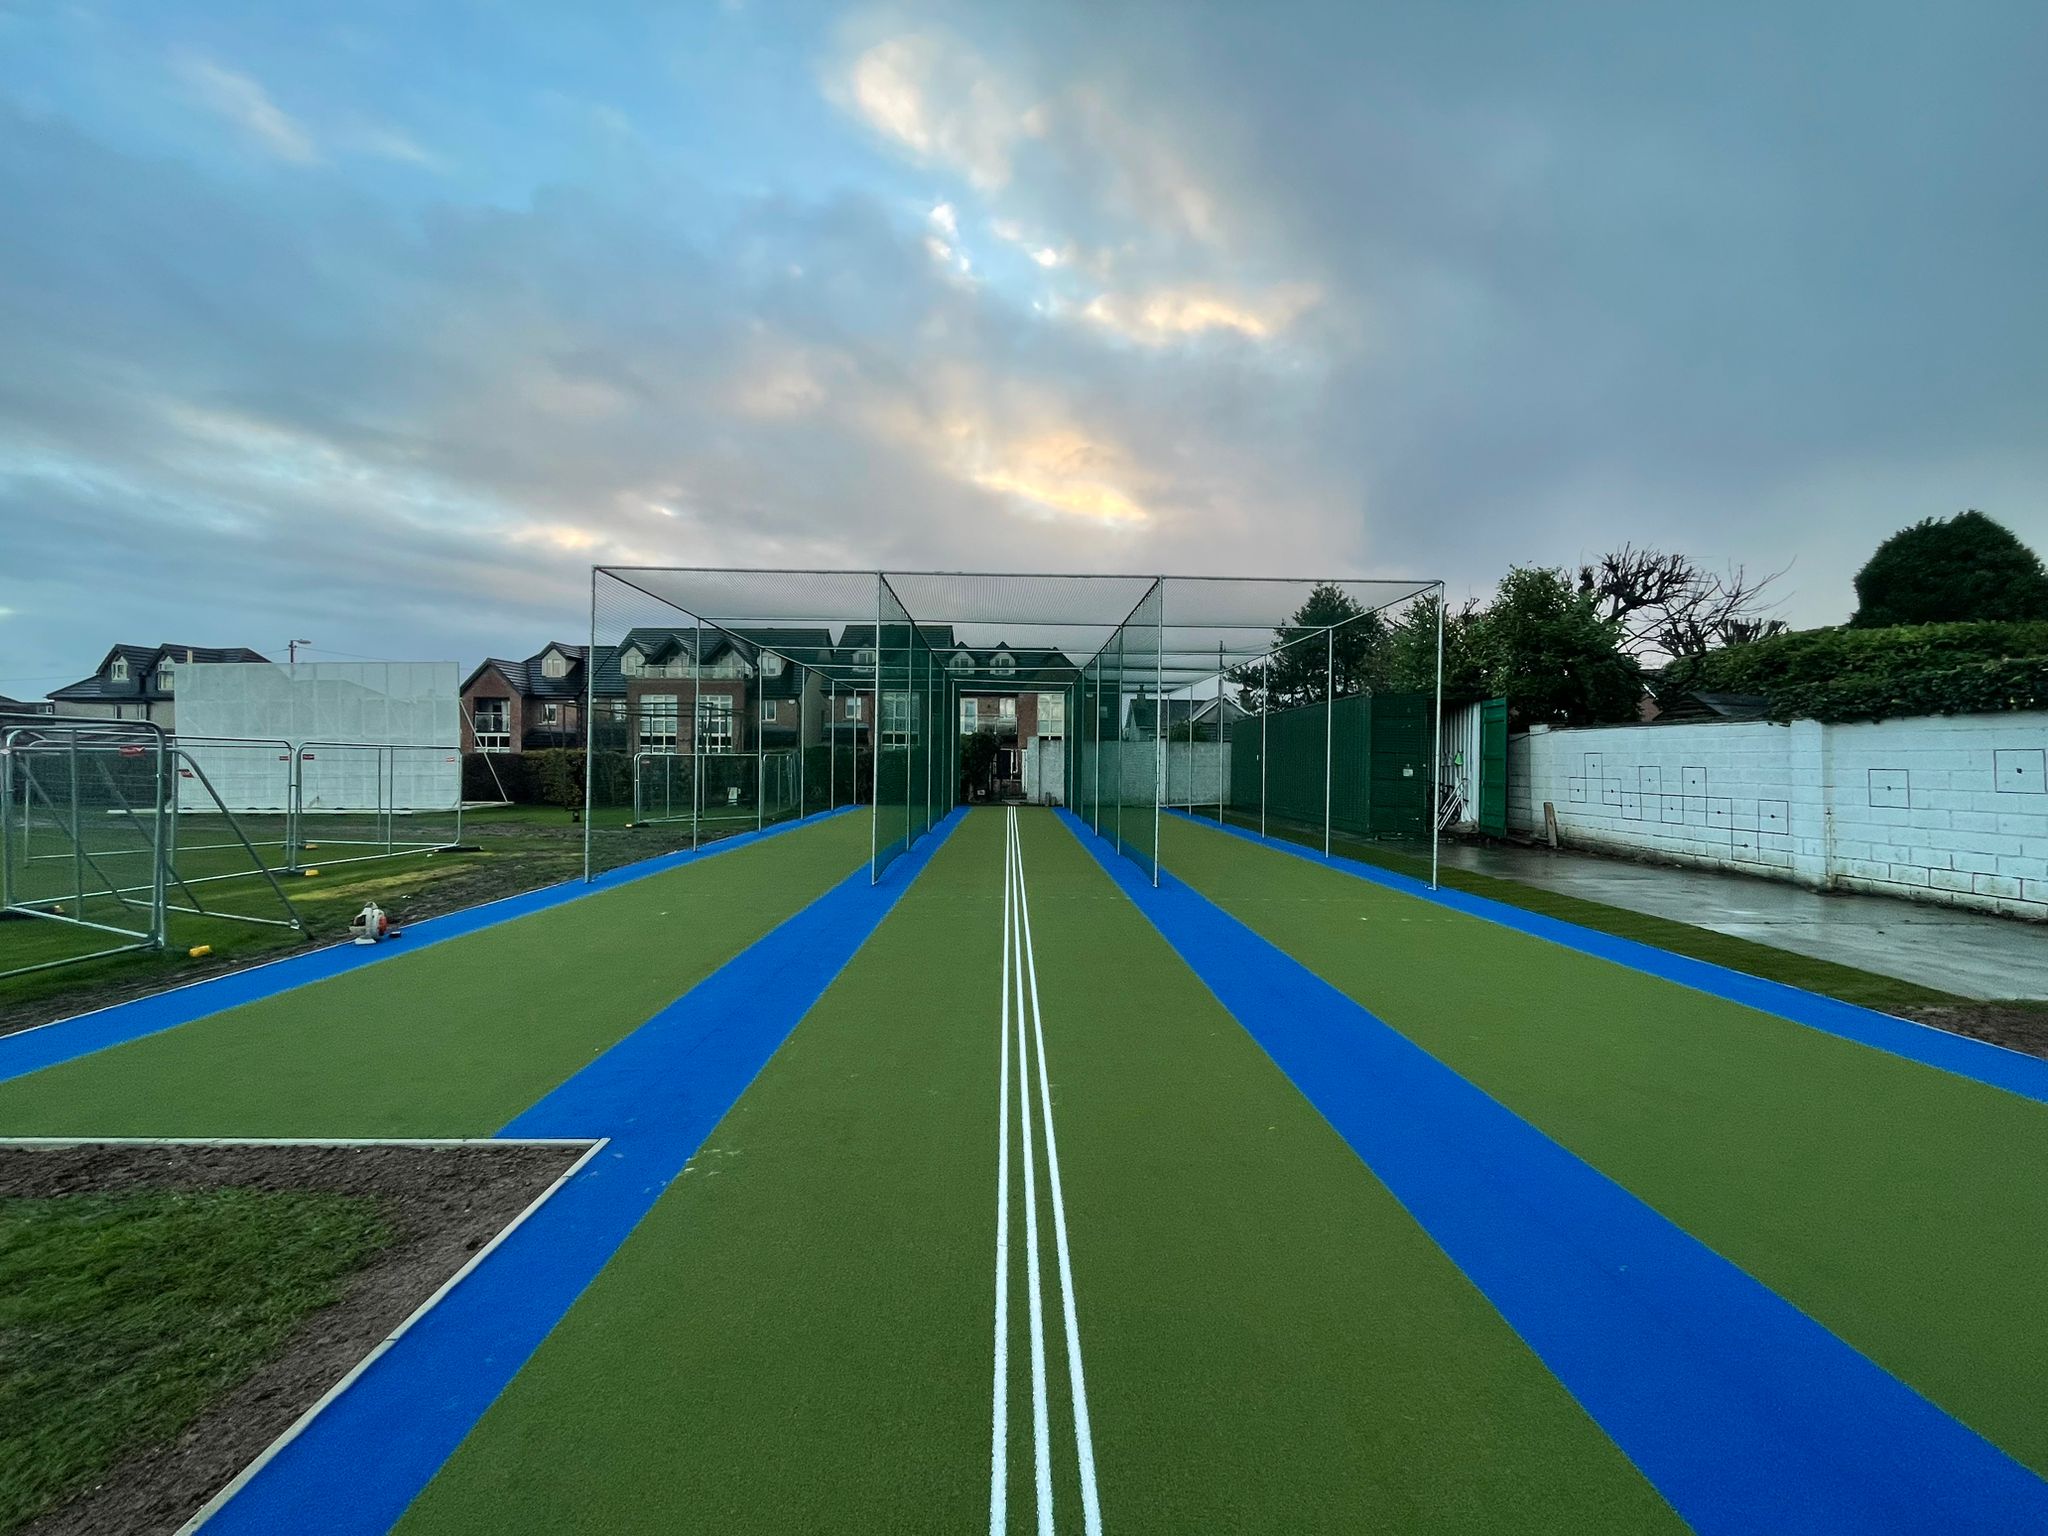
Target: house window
x,y
863,658
962,662
118,672
967,716
899,719
630,662
1004,664
771,664
492,723
166,677
714,723
1006,710
554,664
853,706
658,717
768,711
1052,714
550,714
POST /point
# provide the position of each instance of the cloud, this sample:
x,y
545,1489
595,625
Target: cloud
x,y
389,143
1161,316
940,100
245,103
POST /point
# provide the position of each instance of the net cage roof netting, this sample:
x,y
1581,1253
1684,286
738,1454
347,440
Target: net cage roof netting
x,y
1048,625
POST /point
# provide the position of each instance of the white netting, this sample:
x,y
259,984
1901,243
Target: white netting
x,y
371,734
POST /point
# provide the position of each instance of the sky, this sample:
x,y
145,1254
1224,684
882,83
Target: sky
x,y
376,324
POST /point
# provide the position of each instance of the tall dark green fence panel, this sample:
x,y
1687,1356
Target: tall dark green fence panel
x,y
1378,764
1493,767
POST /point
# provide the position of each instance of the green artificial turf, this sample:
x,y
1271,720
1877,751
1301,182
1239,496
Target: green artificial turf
x,y
456,1039
1864,988
799,1335
123,1316
1903,1207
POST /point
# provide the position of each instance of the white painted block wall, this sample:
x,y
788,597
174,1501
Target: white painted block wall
x,y
1948,808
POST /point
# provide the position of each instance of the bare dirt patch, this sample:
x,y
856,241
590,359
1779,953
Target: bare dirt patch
x,y
2016,1026
444,1203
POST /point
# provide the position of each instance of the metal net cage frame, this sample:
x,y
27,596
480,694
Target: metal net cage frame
x,y
1196,639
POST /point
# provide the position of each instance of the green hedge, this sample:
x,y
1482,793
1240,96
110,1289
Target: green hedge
x,y
551,776
1869,674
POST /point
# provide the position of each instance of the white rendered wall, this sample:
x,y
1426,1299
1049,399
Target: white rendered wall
x,y
1950,808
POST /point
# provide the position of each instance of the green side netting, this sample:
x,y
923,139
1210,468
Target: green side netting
x,y
1115,780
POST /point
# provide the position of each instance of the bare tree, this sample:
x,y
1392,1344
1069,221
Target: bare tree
x,y
1665,603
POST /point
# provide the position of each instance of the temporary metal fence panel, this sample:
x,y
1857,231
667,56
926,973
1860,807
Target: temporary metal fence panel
x,y
83,813
91,814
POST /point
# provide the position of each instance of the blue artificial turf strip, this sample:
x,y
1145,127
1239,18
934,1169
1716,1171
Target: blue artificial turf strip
x,y
1745,1413
47,1045
657,1094
1978,1060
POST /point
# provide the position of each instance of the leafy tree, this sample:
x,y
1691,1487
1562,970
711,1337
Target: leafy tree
x,y
1305,662
1545,644
1950,570
1411,650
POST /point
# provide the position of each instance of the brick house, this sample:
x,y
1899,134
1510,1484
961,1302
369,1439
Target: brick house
x,y
752,689
139,682
523,706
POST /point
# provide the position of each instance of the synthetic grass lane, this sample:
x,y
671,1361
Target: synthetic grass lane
x,y
453,1040
1272,1343
1904,1208
797,1336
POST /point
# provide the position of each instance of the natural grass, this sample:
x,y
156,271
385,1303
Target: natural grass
x,y
122,1317
1887,994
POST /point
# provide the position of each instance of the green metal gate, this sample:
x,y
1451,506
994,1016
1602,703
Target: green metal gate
x,y
1493,767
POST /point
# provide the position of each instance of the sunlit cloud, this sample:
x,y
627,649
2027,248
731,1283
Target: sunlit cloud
x,y
941,101
1065,473
1161,316
245,103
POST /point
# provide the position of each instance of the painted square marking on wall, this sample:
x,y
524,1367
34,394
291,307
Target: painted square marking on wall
x,y
1720,812
1631,805
1576,789
2020,770
1650,778
1610,792
1674,808
1890,787
1695,780
1774,815
1592,769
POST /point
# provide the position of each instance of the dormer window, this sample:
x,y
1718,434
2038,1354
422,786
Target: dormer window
x,y
631,661
166,676
1004,664
771,664
117,671
554,664
962,662
863,658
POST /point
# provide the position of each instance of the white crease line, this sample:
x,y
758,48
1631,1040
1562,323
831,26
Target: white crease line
x,y
999,1453
1084,1438
298,1426
1041,1434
